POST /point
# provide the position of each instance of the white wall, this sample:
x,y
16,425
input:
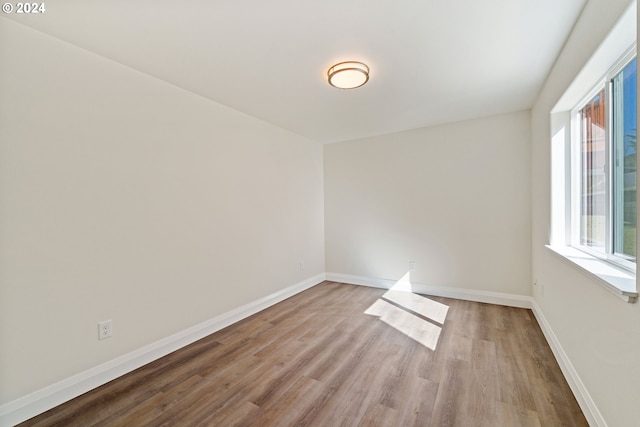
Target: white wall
x,y
599,333
125,198
453,198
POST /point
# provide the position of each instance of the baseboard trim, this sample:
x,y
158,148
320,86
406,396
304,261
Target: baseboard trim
x,y
44,399
510,300
49,397
588,406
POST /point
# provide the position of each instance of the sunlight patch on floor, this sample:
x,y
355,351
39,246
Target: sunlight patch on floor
x,y
409,324
402,309
418,304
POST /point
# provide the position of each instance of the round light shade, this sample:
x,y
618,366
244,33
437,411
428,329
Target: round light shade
x,y
348,75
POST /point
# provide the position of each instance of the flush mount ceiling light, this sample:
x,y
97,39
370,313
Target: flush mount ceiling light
x,y
348,75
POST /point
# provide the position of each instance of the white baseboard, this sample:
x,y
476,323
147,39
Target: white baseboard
x,y
44,399
510,300
588,406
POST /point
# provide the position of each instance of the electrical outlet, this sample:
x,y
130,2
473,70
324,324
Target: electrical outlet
x,y
412,266
105,329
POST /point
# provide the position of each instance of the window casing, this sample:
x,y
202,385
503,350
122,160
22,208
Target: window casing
x,y
603,214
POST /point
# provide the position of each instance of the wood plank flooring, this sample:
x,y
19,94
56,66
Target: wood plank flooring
x,y
344,355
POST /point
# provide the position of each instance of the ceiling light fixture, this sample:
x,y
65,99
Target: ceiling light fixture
x,y
348,75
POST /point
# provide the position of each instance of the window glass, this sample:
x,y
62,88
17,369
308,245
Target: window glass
x,y
624,151
593,191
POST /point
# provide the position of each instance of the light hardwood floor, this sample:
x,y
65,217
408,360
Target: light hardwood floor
x,y
344,355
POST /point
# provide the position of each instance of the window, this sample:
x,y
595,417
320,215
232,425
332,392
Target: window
x,y
593,164
604,146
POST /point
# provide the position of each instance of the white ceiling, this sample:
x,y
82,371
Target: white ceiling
x,y
432,61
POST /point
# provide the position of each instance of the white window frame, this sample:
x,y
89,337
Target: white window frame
x,y
576,174
613,48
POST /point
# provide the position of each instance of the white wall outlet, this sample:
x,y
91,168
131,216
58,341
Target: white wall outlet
x,y
105,329
412,266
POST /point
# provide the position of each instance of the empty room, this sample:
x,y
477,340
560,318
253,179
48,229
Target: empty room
x,y
349,213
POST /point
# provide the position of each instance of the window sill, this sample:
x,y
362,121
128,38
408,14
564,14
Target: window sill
x,y
620,282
